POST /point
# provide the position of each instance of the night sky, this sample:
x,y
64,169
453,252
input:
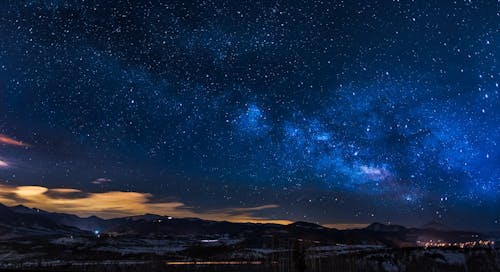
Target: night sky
x,y
333,112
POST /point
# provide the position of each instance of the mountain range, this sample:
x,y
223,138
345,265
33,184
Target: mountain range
x,y
21,221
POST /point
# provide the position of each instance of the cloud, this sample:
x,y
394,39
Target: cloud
x,y
4,164
4,139
118,204
252,209
101,181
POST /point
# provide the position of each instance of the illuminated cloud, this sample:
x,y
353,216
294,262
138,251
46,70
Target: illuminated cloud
x,y
252,209
118,204
4,139
4,164
30,191
101,181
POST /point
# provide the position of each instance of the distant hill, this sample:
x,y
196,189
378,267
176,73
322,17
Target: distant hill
x,y
20,220
434,225
378,227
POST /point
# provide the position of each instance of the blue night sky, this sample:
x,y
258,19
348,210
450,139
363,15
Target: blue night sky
x,y
335,112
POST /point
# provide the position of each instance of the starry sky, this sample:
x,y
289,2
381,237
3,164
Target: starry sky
x,y
333,112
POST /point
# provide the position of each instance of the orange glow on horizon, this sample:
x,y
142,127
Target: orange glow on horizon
x,y
345,226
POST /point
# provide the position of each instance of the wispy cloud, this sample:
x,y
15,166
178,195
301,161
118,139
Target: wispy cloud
x,y
4,164
101,181
4,139
117,204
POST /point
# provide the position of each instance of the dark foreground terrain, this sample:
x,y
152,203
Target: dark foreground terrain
x,y
408,259
35,240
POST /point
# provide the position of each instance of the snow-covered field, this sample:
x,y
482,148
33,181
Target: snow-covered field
x,y
66,250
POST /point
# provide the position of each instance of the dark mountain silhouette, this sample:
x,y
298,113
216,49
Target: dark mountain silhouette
x,y
23,220
434,225
379,227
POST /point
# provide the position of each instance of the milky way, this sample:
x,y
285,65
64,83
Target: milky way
x,y
333,112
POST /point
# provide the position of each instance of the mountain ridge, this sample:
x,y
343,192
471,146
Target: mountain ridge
x,y
156,226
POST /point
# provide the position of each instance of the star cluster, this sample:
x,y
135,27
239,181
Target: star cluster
x,y
334,111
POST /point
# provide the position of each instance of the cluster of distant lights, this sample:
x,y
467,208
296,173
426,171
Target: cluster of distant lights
x,y
468,244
